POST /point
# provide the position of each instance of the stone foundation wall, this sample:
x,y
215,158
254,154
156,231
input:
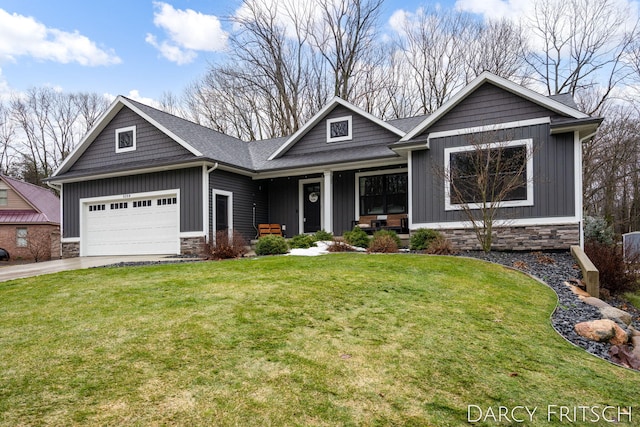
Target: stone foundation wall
x,y
192,245
70,249
522,238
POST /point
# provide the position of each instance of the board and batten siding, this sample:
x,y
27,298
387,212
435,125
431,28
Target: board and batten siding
x,y
188,181
489,105
344,208
364,133
247,195
553,180
151,145
283,202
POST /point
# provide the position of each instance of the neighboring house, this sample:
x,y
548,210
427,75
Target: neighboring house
x,y
143,181
29,220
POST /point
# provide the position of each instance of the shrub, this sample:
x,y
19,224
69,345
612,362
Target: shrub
x,y
440,246
302,241
392,234
616,274
384,243
323,236
339,245
597,230
225,247
357,237
271,245
422,238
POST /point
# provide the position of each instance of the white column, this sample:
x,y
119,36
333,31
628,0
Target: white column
x,y
327,202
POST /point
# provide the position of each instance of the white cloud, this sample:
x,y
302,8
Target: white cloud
x,y
496,9
5,90
135,95
24,36
188,32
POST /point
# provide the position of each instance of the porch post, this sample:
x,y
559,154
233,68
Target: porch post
x,y
327,204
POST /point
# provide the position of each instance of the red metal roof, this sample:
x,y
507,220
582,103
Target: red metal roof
x,y
45,202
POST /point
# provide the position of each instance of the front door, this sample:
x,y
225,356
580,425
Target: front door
x,y
311,204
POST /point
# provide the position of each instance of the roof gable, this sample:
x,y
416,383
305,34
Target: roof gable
x,y
317,122
116,106
43,201
533,98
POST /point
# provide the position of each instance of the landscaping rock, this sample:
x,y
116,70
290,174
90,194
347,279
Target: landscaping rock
x,y
635,341
623,355
616,315
578,291
603,330
596,302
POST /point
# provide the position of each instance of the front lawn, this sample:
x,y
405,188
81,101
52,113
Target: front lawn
x,y
345,339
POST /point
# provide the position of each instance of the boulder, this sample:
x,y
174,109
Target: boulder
x,y
603,330
616,315
596,302
635,341
576,290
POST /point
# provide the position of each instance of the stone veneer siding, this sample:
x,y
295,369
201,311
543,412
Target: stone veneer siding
x,y
70,249
192,245
188,246
521,238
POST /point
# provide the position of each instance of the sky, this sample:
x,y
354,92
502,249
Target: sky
x,y
142,48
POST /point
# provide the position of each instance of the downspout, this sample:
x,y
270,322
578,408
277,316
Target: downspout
x,y
206,198
581,141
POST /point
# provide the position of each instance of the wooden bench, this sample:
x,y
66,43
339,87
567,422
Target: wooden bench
x,y
396,222
267,229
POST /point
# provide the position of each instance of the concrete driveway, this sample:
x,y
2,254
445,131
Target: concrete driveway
x,y
11,272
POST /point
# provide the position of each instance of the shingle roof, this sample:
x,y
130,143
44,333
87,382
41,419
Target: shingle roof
x,y
212,144
45,202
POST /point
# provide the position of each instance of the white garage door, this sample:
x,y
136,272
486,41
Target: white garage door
x,y
132,226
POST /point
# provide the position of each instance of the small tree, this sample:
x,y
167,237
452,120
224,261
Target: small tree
x,y
39,243
484,177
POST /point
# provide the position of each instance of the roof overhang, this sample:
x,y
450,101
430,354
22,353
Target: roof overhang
x,y
586,128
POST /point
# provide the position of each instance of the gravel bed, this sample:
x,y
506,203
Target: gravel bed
x,y
554,269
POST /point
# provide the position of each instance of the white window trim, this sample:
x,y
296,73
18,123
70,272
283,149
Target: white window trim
x,y
348,137
380,172
228,194
528,143
122,130
301,183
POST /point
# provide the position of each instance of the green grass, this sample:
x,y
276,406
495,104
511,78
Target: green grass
x,y
345,339
633,298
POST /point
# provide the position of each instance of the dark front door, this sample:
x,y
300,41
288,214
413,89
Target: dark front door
x,y
222,212
312,200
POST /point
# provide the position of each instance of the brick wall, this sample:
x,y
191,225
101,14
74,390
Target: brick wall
x,y
44,236
527,238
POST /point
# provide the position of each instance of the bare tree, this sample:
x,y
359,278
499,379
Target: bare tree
x,y
39,243
584,44
343,35
497,46
612,170
7,139
481,181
